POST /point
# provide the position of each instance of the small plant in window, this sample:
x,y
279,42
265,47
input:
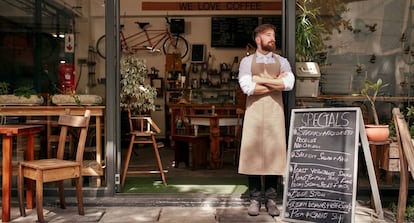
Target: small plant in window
x,y
24,91
20,95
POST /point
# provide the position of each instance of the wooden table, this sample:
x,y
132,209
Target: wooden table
x,y
47,111
8,132
214,122
198,153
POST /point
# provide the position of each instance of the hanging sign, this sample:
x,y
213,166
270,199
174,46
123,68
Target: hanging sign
x,y
69,43
212,6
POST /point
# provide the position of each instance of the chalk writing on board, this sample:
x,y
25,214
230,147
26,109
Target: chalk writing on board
x,y
320,181
232,31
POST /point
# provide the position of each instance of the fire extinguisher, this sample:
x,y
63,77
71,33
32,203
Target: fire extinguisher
x,y
67,78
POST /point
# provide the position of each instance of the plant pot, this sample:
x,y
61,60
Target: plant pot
x,y
76,99
11,99
377,133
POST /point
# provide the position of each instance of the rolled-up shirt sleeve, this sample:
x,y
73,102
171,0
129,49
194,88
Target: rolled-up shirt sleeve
x,y
289,80
245,76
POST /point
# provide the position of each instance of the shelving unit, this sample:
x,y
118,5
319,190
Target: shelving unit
x,y
205,95
201,85
173,78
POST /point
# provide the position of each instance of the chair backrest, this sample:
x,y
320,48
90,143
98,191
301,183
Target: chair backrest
x,y
142,124
67,122
404,138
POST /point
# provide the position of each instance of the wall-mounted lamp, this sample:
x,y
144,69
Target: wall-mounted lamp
x,y
372,27
373,58
359,68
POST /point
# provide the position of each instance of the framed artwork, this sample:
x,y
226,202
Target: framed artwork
x,y
157,84
198,53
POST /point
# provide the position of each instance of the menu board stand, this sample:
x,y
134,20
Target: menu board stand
x,y
322,165
370,168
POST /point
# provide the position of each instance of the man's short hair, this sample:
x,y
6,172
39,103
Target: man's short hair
x,y
262,28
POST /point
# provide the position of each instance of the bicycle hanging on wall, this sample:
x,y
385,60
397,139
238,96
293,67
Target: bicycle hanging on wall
x,y
148,40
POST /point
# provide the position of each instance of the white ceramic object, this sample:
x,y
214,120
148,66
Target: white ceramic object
x,y
76,99
10,99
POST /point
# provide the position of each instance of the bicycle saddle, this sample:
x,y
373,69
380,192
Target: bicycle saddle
x,y
142,24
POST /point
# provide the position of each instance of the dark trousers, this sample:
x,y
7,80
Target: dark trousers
x,y
269,183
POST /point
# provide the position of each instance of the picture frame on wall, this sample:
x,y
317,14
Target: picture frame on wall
x,y
198,53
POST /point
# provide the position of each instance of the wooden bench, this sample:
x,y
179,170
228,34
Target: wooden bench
x,y
197,146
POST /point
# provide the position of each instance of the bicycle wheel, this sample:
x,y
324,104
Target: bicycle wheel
x,y
175,44
100,46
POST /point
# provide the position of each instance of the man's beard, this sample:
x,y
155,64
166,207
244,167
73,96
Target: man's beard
x,y
268,47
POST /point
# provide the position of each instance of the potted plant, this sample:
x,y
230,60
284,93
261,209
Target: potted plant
x,y
309,39
136,95
309,45
76,99
21,96
375,132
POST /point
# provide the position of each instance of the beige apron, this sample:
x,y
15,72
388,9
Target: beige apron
x,y
263,146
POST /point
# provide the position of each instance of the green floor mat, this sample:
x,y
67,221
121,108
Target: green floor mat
x,y
207,185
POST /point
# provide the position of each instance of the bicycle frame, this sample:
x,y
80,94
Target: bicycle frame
x,y
158,35
147,40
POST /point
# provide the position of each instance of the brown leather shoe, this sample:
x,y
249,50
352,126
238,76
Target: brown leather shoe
x,y
254,208
272,208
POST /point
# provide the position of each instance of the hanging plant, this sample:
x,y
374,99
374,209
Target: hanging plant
x,y
136,95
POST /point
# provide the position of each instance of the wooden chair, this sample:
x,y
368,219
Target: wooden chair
x,y
230,139
142,131
57,169
406,154
52,135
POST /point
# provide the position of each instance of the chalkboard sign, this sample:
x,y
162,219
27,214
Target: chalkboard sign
x,y
322,165
232,31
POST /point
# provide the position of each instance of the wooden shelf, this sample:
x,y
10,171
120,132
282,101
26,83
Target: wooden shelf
x,y
326,98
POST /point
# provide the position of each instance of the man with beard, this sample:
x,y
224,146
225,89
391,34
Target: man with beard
x,y
262,77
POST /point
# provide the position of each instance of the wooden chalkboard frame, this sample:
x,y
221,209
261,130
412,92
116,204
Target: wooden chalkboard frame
x,y
317,196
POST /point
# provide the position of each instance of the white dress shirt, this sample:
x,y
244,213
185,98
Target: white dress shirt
x,y
245,73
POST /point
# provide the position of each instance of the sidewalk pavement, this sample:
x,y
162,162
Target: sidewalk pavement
x,y
134,209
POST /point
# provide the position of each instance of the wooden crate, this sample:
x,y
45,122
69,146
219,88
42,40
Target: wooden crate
x,y
391,158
